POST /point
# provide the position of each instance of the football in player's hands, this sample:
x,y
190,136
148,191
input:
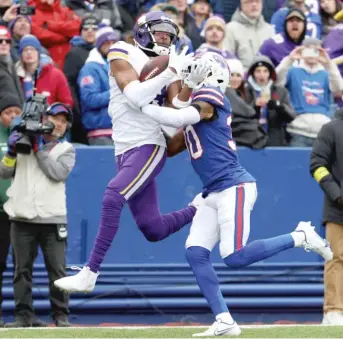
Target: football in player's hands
x,y
154,67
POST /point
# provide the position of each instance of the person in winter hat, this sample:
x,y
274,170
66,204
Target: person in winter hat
x,y
10,108
81,46
93,82
51,81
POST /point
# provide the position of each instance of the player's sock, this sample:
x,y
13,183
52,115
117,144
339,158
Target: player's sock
x,y
259,250
167,224
199,260
112,205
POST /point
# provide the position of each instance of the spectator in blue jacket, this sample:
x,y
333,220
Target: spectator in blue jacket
x,y
311,78
93,83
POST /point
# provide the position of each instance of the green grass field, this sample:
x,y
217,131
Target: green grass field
x,y
310,331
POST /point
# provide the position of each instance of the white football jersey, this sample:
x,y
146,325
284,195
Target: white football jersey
x,y
131,128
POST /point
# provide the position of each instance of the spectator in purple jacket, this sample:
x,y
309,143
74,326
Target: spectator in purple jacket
x,y
281,45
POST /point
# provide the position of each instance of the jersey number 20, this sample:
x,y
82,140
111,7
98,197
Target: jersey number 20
x,y
193,142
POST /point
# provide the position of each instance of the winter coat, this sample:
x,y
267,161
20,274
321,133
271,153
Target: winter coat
x,y
54,26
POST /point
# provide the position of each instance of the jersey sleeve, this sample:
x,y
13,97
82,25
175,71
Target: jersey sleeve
x,y
119,50
211,95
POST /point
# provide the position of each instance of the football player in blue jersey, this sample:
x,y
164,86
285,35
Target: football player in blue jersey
x,y
229,191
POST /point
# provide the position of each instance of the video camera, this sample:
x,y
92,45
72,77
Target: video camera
x,y
31,122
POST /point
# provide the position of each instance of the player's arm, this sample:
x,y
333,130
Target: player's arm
x,y
141,93
138,93
178,96
176,144
322,157
180,117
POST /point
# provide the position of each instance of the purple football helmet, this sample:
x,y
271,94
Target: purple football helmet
x,y
145,28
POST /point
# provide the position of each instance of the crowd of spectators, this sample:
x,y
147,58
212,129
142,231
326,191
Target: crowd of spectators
x,y
280,94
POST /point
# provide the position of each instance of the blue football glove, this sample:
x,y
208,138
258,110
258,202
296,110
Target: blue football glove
x,y
12,140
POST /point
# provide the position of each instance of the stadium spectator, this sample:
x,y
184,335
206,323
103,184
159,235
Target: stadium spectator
x,y
8,12
216,6
201,10
328,10
51,81
54,25
94,87
128,37
327,169
247,31
187,21
246,129
19,27
334,46
9,82
184,40
37,209
310,83
10,107
313,20
105,11
271,103
214,32
282,44
81,46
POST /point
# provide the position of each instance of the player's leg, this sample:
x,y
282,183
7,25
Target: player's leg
x,y
154,225
204,234
234,223
135,167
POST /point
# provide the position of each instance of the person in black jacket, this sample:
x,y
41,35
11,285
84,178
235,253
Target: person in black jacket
x,y
327,169
271,103
9,82
246,129
75,59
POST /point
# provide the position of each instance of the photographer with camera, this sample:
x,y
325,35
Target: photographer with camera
x,y
39,160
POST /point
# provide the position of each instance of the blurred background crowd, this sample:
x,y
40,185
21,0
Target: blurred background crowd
x,y
285,57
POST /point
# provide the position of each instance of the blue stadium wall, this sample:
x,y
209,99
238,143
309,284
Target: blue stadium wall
x,y
144,282
286,195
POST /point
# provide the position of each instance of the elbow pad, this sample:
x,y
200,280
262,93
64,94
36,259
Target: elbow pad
x,y
142,93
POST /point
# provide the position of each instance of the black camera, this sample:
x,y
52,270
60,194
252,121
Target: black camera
x,y
26,10
31,123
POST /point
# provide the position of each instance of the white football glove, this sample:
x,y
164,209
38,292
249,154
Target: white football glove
x,y
178,61
197,73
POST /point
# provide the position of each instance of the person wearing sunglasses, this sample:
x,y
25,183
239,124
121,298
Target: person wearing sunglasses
x,y
9,82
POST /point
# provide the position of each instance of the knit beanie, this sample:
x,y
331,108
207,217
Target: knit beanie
x,y
9,100
104,34
29,40
12,22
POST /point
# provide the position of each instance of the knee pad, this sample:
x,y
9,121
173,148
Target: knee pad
x,y
112,199
197,255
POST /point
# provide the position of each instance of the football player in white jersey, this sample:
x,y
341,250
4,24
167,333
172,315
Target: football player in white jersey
x,y
140,146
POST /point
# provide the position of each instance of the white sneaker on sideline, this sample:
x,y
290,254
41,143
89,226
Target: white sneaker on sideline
x,y
333,318
84,281
313,242
221,328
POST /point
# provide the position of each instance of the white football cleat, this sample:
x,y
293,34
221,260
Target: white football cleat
x,y
84,281
221,328
313,242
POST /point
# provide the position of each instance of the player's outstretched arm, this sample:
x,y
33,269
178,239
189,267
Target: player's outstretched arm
x,y
180,117
138,93
176,144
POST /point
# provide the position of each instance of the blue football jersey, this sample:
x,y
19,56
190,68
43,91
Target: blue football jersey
x,y
211,146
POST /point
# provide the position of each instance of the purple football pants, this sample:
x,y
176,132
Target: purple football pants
x,y
135,184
